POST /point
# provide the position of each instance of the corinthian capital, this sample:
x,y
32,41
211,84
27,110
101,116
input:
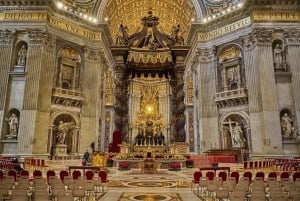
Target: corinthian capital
x,y
292,36
205,54
93,55
249,42
7,37
49,41
263,36
35,36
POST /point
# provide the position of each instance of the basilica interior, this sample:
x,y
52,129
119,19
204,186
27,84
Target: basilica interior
x,y
157,92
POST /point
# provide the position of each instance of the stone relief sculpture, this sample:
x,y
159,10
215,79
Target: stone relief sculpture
x,y
286,125
13,123
22,54
63,130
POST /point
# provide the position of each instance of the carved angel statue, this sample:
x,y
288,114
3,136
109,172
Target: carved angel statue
x,y
122,35
177,34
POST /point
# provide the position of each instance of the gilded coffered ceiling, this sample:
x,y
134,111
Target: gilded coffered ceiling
x,y
169,12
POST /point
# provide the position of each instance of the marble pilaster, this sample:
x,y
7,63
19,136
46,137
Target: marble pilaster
x,y
293,60
209,135
90,113
270,115
6,41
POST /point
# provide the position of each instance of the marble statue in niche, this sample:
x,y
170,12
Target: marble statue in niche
x,y
13,124
233,133
22,55
286,125
63,130
278,56
238,136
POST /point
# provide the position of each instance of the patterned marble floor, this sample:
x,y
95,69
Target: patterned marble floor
x,y
165,185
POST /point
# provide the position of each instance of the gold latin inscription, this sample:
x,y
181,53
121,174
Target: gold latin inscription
x,y
224,30
75,29
275,16
53,21
23,16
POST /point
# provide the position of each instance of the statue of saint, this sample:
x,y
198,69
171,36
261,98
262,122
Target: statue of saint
x,y
286,125
237,136
122,35
176,34
21,59
63,129
13,123
278,56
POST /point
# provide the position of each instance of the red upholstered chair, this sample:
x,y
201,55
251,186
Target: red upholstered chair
x,y
236,175
272,175
24,173
284,175
103,175
62,174
210,175
251,164
76,174
223,175
260,175
50,173
296,175
245,164
117,139
196,178
248,175
13,173
37,173
1,174
89,175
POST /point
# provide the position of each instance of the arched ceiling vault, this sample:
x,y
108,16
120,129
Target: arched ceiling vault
x,y
130,12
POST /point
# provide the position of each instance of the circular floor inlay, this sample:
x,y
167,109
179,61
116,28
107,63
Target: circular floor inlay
x,y
149,184
150,197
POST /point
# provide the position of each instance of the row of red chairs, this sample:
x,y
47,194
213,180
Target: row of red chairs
x,y
222,174
34,162
76,174
259,164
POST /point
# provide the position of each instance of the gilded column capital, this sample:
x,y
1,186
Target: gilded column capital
x,y
93,55
7,37
205,54
292,36
263,36
35,36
